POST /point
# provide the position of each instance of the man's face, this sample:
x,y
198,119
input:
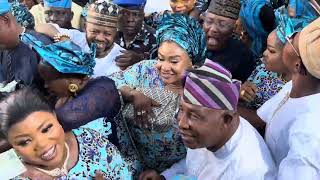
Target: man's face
x,y
101,35
130,20
218,29
9,34
201,127
60,16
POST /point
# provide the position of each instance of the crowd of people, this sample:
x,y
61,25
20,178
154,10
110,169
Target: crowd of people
x,y
155,90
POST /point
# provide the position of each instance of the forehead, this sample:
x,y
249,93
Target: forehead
x,y
200,109
212,16
57,9
100,27
31,123
168,48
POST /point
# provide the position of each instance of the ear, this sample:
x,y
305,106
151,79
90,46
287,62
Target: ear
x,y
5,19
227,117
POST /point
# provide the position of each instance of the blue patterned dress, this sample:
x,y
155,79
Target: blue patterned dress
x,y
268,84
95,153
159,150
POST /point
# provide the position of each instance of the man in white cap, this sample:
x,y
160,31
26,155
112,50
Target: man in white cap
x,y
292,117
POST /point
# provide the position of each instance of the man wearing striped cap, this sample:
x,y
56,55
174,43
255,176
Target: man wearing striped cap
x,y
221,145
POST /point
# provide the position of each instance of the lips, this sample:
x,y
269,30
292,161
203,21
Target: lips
x,y
49,154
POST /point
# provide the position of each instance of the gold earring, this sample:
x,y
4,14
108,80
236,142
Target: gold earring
x,y
73,88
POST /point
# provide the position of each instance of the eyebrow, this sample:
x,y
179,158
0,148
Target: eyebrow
x,y
170,57
38,129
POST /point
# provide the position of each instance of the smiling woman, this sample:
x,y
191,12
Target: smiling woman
x,y
48,152
181,42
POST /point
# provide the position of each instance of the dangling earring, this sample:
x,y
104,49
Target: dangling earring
x,y
73,88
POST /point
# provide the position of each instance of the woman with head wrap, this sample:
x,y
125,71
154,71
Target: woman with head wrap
x,y
269,78
48,151
82,101
153,88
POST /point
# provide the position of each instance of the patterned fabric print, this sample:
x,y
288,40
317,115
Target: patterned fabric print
x,y
159,150
96,153
268,84
126,148
142,74
22,15
155,18
143,43
202,5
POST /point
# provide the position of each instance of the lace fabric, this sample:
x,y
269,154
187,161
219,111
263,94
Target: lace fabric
x,y
98,99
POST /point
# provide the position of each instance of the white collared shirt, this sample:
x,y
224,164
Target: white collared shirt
x,y
292,134
245,156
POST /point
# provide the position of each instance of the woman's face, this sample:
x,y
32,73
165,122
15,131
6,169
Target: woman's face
x,y
182,6
54,83
172,62
272,56
39,139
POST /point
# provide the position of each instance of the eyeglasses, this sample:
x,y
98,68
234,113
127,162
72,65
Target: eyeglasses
x,y
290,43
219,24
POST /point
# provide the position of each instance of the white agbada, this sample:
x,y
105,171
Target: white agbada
x,y
244,157
104,66
293,134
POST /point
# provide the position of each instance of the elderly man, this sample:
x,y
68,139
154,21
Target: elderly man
x,y
292,115
219,24
221,145
101,29
65,10
135,36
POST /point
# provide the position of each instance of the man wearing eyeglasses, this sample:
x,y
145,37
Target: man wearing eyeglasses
x,y
219,24
135,36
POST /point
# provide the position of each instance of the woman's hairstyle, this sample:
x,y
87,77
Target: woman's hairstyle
x,y
20,104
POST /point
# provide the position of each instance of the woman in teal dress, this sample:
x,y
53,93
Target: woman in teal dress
x,y
47,151
153,87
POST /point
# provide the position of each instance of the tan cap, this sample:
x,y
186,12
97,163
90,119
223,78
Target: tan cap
x,y
309,47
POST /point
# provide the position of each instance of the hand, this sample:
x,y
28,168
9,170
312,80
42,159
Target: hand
x,y
143,108
128,58
99,176
150,175
248,91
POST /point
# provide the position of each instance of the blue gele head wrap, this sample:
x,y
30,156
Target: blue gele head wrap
x,y
249,14
287,26
22,15
65,56
58,3
186,32
4,7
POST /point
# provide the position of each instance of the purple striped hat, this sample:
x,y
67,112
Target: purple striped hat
x,y
212,86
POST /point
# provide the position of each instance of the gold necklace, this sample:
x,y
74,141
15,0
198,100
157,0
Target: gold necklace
x,y
282,78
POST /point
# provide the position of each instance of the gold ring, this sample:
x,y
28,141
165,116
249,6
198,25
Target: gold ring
x,y
242,92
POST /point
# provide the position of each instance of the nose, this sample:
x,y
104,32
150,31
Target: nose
x,y
165,66
40,145
100,37
182,121
130,18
